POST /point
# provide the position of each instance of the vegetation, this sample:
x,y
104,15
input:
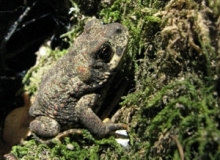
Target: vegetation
x,y
173,107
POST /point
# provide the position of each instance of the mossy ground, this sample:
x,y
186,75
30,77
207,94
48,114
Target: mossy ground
x,y
173,55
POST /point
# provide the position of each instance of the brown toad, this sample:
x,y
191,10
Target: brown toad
x,y
72,91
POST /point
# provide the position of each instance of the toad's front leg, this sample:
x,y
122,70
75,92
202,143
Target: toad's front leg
x,y
91,121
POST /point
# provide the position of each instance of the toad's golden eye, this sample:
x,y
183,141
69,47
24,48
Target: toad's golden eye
x,y
105,52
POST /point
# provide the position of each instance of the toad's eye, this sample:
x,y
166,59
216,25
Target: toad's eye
x,y
105,52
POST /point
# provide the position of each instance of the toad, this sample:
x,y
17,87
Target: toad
x,y
72,91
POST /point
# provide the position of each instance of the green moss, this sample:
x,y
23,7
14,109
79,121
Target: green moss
x,y
76,147
215,7
175,90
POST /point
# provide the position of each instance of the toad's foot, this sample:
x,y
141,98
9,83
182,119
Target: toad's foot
x,y
74,131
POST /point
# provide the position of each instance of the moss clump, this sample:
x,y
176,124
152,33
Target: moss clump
x,y
173,107
76,147
176,89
